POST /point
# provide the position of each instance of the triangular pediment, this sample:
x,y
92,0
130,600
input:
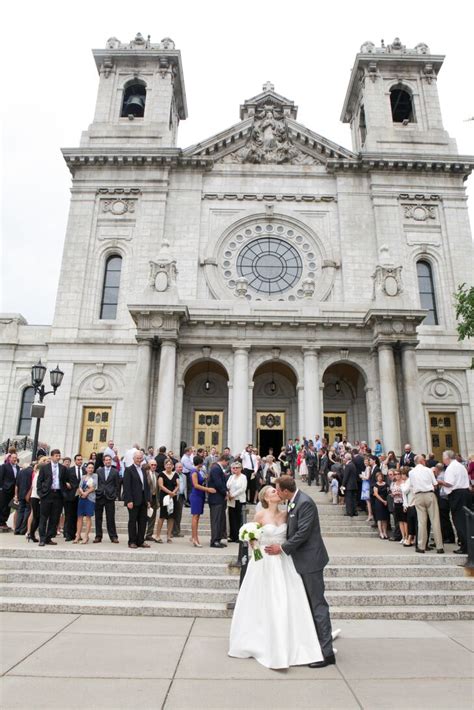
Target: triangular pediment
x,y
268,133
267,140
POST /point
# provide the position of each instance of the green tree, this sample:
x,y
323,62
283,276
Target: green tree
x,y
464,302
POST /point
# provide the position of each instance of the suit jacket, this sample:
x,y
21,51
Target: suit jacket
x,y
160,462
107,489
304,542
410,461
7,477
358,462
350,477
23,481
133,491
70,476
45,479
290,452
323,464
216,479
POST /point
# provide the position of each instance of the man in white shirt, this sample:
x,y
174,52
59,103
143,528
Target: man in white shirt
x,y
456,483
423,484
128,457
249,461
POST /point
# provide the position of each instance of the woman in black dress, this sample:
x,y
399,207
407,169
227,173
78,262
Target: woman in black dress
x,y
381,505
168,485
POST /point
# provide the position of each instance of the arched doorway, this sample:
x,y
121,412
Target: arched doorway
x,y
345,407
275,406
205,405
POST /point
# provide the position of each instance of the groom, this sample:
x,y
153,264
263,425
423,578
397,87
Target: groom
x,y
306,547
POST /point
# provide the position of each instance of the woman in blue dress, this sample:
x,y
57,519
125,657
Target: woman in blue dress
x,y
197,498
86,504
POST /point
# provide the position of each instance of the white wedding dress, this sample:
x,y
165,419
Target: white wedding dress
x,y
272,619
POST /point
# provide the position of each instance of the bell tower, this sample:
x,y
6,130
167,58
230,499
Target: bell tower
x,y
141,96
392,101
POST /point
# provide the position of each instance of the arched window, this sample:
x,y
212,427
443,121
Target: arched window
x,y
362,125
110,291
134,99
24,422
427,292
402,105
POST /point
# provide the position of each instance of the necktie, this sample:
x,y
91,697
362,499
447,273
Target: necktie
x,y
251,461
107,470
78,473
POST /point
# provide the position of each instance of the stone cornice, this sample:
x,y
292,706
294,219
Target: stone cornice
x,y
126,157
460,164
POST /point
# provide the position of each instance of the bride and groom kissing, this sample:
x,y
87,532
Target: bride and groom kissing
x,y
281,616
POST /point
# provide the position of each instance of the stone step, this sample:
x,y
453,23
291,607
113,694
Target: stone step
x,y
150,579
163,554
135,594
59,605
90,565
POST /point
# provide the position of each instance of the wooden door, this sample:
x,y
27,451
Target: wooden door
x,y
443,433
95,431
208,429
335,424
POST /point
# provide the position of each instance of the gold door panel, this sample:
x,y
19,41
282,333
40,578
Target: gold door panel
x,y
95,429
335,424
443,433
208,429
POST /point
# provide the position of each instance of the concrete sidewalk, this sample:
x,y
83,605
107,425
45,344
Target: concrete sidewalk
x,y
75,661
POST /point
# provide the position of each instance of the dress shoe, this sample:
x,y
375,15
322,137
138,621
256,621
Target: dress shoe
x,y
115,540
440,551
149,538
97,539
68,539
144,544
418,549
459,552
328,661
51,542
218,544
42,544
132,545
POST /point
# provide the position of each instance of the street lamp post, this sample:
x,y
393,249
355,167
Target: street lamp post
x,y
38,373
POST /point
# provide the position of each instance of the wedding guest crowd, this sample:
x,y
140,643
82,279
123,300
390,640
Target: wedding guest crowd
x,y
406,498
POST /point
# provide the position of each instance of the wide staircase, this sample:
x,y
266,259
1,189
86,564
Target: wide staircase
x,y
366,578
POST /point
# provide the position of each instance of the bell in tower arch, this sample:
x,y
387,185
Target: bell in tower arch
x,y
134,99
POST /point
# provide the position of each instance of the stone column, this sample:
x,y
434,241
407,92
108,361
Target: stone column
x,y
178,418
311,395
141,395
412,398
240,399
300,424
166,394
389,399
251,420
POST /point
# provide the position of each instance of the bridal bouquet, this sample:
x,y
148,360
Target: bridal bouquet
x,y
252,532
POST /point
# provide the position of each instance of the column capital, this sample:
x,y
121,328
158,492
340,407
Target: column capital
x,y
310,349
409,345
241,348
168,340
384,345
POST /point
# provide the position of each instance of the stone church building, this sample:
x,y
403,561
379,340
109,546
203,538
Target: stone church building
x,y
265,283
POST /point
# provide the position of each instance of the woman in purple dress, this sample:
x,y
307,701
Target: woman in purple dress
x,y
197,498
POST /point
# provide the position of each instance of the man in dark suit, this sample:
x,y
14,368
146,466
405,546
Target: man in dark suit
x,y
8,473
217,500
350,479
359,463
22,487
106,494
324,470
290,451
312,464
69,484
408,457
137,498
160,459
51,499
306,547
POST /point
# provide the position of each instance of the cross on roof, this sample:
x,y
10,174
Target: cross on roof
x,y
268,86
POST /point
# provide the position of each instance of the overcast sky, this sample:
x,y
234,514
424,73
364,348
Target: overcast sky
x,y
228,50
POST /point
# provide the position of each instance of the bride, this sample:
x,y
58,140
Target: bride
x,y
272,620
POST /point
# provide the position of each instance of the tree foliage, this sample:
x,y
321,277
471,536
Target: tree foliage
x,y
464,302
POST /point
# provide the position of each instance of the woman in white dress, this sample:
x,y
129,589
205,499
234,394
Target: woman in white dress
x,y
272,620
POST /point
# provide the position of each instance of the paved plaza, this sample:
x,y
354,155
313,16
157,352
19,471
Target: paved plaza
x,y
71,661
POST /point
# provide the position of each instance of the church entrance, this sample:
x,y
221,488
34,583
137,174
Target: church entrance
x,y
208,429
205,405
443,433
270,432
95,430
345,407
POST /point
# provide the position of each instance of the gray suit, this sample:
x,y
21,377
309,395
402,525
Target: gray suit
x,y
306,547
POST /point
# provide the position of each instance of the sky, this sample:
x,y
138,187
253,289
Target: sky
x,y
306,48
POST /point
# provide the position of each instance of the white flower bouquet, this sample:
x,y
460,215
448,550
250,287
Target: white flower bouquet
x,y
251,533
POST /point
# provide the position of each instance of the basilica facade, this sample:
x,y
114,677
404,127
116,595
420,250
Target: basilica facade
x,y
265,283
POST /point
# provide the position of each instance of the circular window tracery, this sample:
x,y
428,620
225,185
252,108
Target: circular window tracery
x,y
270,265
269,260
